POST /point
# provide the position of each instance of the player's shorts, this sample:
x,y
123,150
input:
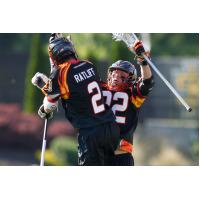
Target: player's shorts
x,y
97,144
123,160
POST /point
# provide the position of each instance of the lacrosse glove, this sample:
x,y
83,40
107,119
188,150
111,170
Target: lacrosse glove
x,y
39,80
43,114
139,50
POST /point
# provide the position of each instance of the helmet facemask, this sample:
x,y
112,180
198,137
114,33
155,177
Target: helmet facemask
x,y
119,80
121,75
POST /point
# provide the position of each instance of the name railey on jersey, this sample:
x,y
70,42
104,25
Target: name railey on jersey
x,y
84,75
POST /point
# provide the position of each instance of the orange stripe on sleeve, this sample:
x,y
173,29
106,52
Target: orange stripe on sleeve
x,y
45,88
62,80
137,101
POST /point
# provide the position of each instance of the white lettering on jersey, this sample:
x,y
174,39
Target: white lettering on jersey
x,y
77,78
81,78
84,75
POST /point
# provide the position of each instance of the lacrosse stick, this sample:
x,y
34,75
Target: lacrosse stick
x,y
130,39
39,80
44,143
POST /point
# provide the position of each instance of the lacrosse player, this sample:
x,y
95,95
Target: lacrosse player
x,y
77,84
125,93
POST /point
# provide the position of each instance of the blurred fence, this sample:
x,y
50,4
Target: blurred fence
x,y
168,134
183,74
167,142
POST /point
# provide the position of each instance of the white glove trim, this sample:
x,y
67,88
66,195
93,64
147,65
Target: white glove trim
x,y
49,106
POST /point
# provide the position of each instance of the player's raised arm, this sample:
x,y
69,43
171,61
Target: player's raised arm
x,y
146,82
144,66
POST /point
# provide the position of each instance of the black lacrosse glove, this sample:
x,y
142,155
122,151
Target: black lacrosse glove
x,y
139,51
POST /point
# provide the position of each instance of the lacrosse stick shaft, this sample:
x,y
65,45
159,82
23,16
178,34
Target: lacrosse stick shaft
x,y
188,108
44,143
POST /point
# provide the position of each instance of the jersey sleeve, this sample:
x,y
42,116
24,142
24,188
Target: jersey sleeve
x,y
62,82
57,86
140,91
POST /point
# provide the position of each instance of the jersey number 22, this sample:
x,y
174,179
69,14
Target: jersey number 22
x,y
117,107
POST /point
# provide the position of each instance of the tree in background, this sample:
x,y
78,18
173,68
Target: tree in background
x,y
92,46
37,62
175,44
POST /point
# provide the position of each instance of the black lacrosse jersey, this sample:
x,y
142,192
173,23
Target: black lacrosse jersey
x,y
78,85
125,105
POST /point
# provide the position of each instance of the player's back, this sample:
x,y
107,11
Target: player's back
x,y
84,103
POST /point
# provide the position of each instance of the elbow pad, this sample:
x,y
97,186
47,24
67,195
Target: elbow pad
x,y
146,86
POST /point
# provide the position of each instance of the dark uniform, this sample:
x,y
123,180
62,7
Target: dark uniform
x,y
77,83
126,105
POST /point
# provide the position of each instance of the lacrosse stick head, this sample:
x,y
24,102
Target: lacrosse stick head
x,y
129,38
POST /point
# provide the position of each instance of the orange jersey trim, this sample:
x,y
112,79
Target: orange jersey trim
x,y
137,101
45,88
62,80
125,146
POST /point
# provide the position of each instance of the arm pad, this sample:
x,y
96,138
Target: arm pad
x,y
146,86
143,87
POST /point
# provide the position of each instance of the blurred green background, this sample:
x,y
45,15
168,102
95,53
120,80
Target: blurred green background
x,y
166,135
